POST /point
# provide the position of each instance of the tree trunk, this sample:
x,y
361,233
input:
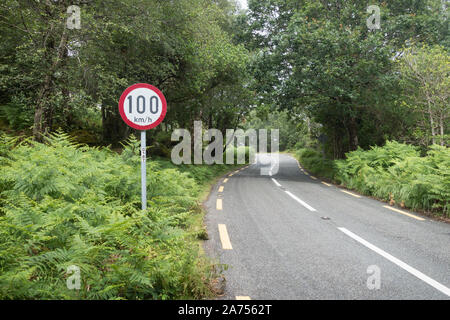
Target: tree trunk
x,y
433,132
308,124
43,113
40,123
353,134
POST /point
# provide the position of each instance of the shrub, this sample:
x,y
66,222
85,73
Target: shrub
x,y
18,113
64,204
394,171
316,163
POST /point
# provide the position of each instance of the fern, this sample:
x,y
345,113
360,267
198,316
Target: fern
x,y
65,204
394,171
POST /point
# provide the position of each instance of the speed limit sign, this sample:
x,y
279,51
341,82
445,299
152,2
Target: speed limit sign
x,y
142,107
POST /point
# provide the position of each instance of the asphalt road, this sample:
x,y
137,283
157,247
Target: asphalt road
x,y
290,236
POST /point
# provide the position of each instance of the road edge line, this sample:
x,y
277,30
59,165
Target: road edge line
x,y
398,262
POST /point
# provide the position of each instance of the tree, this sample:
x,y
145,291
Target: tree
x,y
426,78
73,78
36,55
319,57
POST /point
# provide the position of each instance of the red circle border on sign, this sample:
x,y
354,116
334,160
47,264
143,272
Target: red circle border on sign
x,y
147,86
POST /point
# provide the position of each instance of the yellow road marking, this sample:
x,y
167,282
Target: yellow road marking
x,y
327,184
312,177
221,189
224,238
225,181
405,213
352,194
219,204
243,298
230,175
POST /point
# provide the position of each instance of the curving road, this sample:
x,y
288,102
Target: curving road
x,y
291,236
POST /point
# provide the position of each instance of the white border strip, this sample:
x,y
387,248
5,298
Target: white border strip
x,y
399,263
307,206
276,182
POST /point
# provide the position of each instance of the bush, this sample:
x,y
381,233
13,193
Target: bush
x,y
63,204
18,114
395,171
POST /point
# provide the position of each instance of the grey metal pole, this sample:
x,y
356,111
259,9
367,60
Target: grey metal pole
x,y
143,171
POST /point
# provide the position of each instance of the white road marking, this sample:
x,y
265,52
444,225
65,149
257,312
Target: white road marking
x,y
270,171
276,182
243,298
399,263
307,206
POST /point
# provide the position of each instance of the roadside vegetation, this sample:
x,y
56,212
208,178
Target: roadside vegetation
x,y
396,173
63,204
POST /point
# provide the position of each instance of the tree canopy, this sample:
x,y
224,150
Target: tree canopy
x,y
58,77
320,58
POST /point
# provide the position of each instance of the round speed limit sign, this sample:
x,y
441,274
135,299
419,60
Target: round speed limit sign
x,y
142,106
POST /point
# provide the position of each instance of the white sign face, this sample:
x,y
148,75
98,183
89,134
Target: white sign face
x,y
142,106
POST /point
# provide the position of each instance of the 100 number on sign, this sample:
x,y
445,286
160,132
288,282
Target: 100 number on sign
x,y
142,106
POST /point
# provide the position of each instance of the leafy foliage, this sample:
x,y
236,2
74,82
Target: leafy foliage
x,y
315,162
73,78
319,58
426,91
394,171
64,204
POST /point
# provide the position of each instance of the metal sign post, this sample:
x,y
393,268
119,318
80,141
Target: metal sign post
x,y
143,107
143,170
